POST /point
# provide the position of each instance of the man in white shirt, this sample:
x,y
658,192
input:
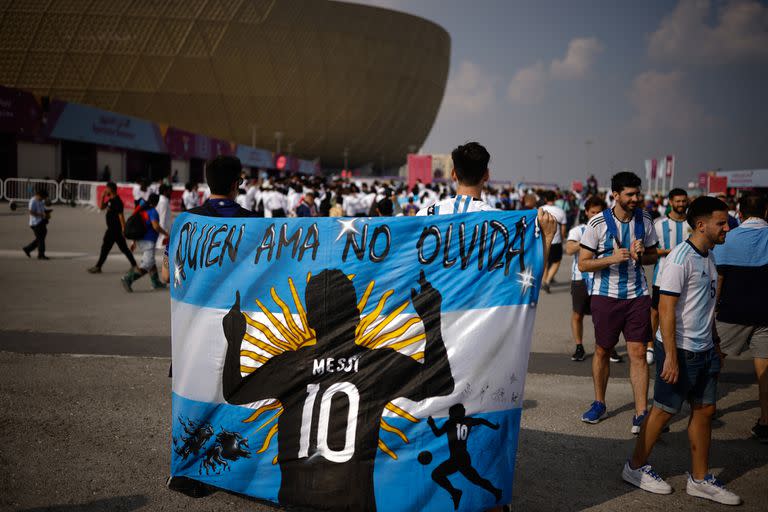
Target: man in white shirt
x,y
556,252
581,282
689,357
190,198
164,213
38,221
671,232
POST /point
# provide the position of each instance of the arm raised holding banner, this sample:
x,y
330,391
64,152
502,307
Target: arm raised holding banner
x,y
263,384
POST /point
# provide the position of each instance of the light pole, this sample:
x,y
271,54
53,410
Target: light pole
x,y
346,159
278,141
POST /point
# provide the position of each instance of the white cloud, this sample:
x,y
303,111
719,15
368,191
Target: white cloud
x,y
663,105
739,32
470,89
578,60
528,85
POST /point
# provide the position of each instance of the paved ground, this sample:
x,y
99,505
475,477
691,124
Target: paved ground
x,y
85,398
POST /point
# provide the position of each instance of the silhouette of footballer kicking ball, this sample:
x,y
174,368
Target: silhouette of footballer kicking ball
x,y
457,427
333,393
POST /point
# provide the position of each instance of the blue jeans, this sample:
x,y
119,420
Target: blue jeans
x,y
696,381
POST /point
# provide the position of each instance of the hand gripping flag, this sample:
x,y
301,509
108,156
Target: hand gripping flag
x,y
353,364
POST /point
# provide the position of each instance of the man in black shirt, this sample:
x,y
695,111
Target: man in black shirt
x,y
111,202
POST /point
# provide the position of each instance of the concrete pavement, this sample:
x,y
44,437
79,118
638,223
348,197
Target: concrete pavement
x,y
85,398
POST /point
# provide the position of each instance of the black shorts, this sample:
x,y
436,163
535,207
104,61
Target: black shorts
x,y
580,298
555,253
655,298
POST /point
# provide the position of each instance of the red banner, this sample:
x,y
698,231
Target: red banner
x,y
718,184
670,165
654,168
419,168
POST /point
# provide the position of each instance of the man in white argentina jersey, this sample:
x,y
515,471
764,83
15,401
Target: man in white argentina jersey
x,y
581,282
671,231
615,246
689,356
470,173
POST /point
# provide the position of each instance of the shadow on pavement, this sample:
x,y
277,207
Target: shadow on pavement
x,y
558,471
116,504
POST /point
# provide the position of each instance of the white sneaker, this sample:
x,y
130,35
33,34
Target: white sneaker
x,y
645,478
712,489
649,356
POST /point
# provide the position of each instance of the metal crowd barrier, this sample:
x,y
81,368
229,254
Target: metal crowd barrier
x,y
20,190
78,192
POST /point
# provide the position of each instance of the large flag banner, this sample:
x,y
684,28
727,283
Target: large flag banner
x,y
353,364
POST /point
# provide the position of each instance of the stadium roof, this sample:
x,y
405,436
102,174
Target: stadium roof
x,y
327,75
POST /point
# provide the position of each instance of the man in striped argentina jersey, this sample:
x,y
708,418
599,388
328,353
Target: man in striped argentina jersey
x,y
615,246
581,282
470,173
671,231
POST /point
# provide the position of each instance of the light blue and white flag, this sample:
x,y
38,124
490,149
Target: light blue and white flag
x,y
353,364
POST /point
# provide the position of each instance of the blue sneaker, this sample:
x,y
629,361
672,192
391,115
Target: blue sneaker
x,y
595,413
637,422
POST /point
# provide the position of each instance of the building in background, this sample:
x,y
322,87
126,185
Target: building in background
x,y
348,84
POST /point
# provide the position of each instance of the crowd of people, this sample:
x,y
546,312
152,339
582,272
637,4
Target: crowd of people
x,y
709,255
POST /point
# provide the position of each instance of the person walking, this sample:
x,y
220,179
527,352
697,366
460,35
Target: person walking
x,y
556,252
164,213
615,246
581,282
742,266
689,356
113,205
38,221
146,245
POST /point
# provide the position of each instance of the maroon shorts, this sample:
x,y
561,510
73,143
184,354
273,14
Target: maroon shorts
x,y
614,316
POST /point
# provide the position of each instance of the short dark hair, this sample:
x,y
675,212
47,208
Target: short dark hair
x,y
704,206
164,189
221,173
548,195
753,205
594,201
470,162
112,186
624,179
677,192
42,191
153,199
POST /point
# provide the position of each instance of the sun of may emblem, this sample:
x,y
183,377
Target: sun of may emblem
x,y
375,330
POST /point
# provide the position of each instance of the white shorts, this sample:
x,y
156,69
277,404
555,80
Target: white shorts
x,y
147,250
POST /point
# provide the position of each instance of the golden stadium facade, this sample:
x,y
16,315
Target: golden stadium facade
x,y
331,77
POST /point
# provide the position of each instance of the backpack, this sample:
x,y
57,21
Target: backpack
x,y
136,225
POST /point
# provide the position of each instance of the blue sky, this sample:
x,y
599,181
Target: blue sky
x,y
638,79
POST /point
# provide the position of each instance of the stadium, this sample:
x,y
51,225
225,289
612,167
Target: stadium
x,y
345,84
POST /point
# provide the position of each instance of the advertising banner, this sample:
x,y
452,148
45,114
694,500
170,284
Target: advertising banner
x,y
89,124
353,364
254,157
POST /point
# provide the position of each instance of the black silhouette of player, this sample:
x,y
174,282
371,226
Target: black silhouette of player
x,y
457,427
334,393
